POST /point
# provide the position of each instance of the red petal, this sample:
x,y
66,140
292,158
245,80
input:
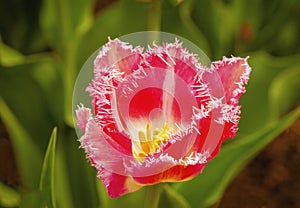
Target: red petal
x,y
148,99
157,61
174,174
117,185
118,140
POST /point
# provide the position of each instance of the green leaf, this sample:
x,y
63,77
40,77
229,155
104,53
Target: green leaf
x,y
175,2
8,196
27,153
210,185
19,25
101,191
172,199
80,175
9,56
28,101
63,187
63,21
31,199
47,175
116,20
284,91
219,22
182,24
272,18
48,77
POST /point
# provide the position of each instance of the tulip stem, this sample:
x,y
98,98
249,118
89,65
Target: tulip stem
x,y
154,21
154,18
152,196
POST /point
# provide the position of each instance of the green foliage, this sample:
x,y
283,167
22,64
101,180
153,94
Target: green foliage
x,y
183,24
284,91
135,199
19,25
47,174
9,56
171,198
36,88
63,23
28,158
116,14
8,196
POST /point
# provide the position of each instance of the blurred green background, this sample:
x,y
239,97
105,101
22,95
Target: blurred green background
x,y
43,45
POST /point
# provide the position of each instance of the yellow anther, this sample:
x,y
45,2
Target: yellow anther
x,y
149,141
142,136
148,131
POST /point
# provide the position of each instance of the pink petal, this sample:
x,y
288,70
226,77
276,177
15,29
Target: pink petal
x,y
97,146
101,155
119,54
117,185
173,56
234,73
83,114
114,61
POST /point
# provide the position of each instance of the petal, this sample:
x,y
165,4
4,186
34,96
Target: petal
x,y
118,140
118,53
83,114
110,151
234,73
101,155
173,56
174,174
156,57
96,143
117,185
114,61
178,170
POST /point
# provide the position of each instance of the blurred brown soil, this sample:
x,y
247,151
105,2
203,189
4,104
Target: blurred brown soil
x,y
272,179
8,169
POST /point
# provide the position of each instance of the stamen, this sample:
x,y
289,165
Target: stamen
x,y
149,141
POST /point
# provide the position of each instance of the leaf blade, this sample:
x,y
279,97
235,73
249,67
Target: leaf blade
x,y
8,196
47,175
27,154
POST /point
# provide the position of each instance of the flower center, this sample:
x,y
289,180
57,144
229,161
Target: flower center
x,y
150,140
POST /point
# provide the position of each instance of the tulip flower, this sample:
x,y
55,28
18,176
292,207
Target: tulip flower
x,y
158,114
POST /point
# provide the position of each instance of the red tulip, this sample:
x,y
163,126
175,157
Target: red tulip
x,y
160,115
